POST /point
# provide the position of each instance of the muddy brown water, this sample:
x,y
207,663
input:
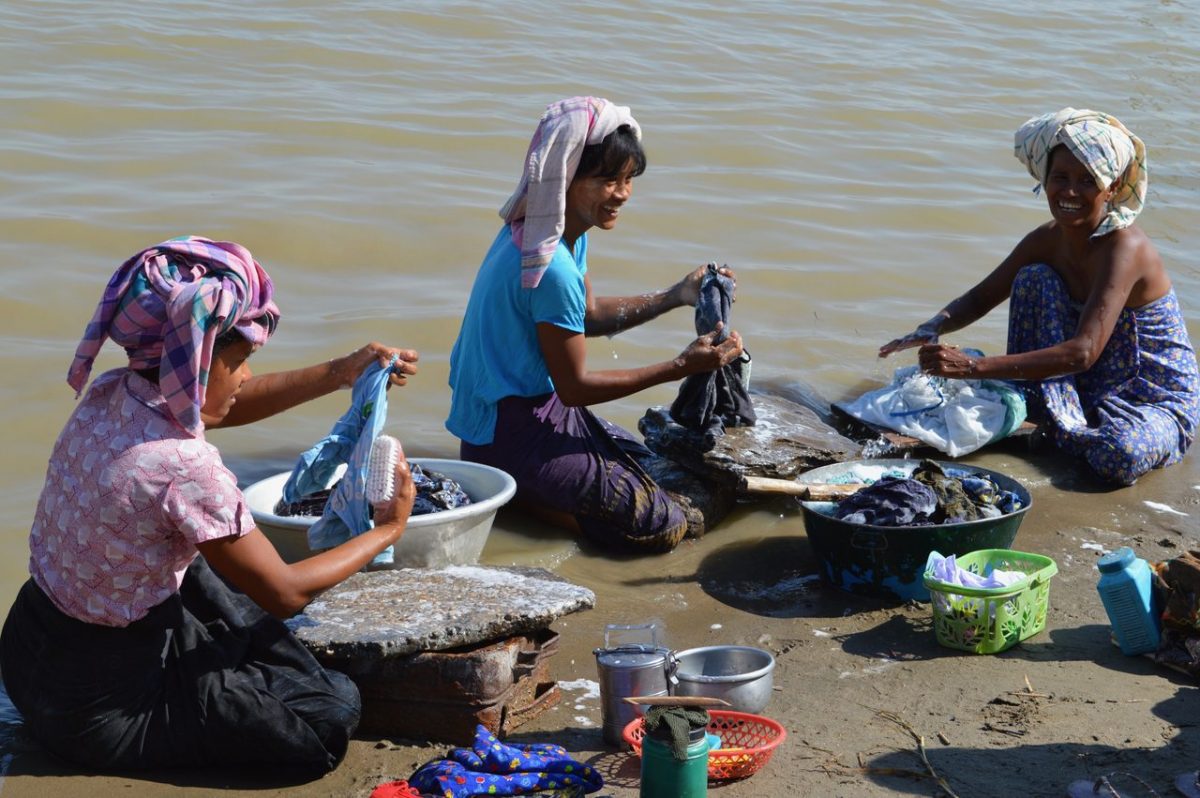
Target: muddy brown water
x,y
851,161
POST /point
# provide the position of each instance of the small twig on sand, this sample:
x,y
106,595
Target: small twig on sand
x,y
1012,732
920,741
1029,691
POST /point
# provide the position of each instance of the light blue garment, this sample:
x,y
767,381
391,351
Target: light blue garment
x,y
497,353
347,513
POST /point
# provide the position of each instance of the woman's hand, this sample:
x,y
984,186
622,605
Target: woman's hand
x,y
703,355
927,333
348,368
942,360
687,290
400,506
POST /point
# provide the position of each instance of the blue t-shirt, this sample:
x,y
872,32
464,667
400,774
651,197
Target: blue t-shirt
x,y
497,353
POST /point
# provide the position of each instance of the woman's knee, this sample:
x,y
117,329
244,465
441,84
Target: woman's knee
x,y
1119,463
338,719
652,522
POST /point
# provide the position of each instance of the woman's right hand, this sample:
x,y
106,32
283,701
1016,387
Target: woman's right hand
x,y
401,504
927,333
704,355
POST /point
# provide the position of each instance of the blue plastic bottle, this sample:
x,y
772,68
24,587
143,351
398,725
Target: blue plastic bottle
x,y
1127,589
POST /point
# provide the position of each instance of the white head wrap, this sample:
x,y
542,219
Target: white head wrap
x,y
1100,142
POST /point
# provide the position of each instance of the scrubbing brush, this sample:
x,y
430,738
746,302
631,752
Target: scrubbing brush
x,y
381,469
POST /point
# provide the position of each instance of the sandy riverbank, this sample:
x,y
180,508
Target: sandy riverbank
x,y
857,680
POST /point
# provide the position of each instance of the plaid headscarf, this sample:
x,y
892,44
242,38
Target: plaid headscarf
x,y
537,209
166,306
1103,145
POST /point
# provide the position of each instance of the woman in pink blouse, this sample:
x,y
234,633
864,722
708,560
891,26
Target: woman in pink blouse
x,y
125,649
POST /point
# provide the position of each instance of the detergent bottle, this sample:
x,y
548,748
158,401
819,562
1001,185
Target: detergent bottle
x,y
1126,587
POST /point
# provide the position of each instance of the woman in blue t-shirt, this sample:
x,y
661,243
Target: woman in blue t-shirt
x,y
518,371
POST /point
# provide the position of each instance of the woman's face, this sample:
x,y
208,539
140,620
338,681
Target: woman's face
x,y
1071,190
228,372
596,201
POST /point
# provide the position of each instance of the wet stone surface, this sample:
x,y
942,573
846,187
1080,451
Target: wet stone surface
x,y
788,439
383,614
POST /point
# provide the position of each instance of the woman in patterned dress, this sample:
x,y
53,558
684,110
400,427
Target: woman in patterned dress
x,y
125,649
1095,332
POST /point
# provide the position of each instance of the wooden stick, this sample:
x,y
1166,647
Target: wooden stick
x,y
810,492
677,701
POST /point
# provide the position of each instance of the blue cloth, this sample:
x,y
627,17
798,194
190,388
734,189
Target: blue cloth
x,y
1138,406
711,401
892,501
497,353
347,513
491,767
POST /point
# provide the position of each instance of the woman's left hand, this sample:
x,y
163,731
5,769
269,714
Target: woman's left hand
x,y
944,360
348,368
688,289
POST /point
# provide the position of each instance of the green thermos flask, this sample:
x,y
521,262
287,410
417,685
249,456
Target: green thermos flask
x,y
664,776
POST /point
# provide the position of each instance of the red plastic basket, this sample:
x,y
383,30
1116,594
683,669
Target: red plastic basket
x,y
747,742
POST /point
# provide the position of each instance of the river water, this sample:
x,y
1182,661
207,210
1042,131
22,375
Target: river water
x,y
852,160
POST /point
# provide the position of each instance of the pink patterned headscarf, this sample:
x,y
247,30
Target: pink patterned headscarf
x,y
537,209
166,306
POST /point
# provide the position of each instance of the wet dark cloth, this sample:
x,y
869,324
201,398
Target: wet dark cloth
x,y
954,504
892,501
674,725
570,460
206,678
435,492
712,401
931,496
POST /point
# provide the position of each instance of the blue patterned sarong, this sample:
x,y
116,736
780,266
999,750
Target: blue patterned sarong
x,y
491,767
1138,406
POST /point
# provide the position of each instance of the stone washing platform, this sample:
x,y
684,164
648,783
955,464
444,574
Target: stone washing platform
x,y
437,652
383,614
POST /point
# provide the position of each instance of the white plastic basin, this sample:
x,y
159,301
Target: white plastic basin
x,y
433,540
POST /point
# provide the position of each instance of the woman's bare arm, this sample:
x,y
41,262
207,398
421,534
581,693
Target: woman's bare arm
x,y
1118,263
265,395
253,565
976,303
611,315
565,353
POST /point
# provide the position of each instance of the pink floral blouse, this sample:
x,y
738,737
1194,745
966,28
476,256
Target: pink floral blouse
x,y
128,495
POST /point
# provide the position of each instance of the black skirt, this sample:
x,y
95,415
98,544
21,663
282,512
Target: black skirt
x,y
206,678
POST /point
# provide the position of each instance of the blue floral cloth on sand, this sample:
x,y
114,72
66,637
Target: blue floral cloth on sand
x,y
347,513
1138,406
491,767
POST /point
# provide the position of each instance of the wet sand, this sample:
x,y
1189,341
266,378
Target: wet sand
x,y
861,685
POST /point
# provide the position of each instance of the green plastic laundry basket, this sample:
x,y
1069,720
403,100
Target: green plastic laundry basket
x,y
987,620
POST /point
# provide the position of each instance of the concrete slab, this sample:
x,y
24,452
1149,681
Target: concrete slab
x,y
383,614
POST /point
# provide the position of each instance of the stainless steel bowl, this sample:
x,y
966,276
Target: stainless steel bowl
x,y
741,675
